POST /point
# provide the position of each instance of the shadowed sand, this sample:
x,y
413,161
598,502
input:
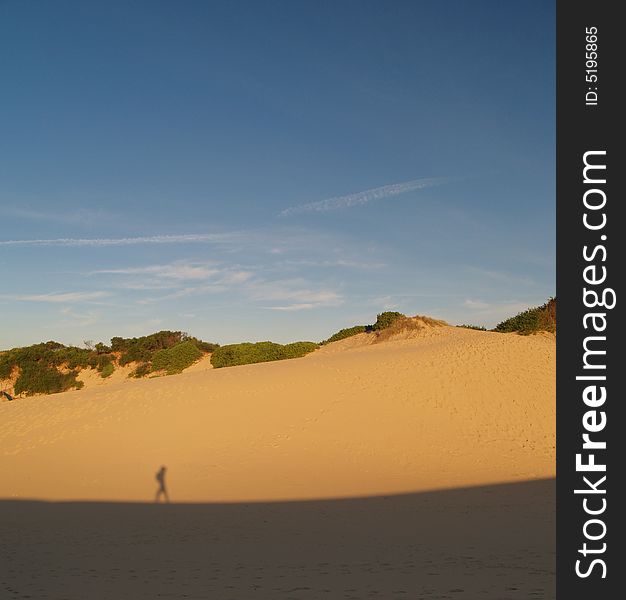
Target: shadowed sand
x,y
493,542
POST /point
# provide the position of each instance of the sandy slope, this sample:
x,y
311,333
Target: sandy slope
x,y
448,408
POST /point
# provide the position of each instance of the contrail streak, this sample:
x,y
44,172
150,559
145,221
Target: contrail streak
x,y
338,202
129,241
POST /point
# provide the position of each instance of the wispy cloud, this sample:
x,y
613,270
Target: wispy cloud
x,y
492,312
184,292
358,198
385,302
187,278
502,277
64,297
77,319
338,263
145,327
294,294
477,304
248,287
80,216
180,271
205,238
294,307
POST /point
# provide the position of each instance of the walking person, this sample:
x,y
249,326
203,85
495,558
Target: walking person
x,y
160,477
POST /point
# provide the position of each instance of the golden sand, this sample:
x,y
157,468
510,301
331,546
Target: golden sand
x,y
440,408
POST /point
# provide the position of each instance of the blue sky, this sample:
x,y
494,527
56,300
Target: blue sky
x,y
272,170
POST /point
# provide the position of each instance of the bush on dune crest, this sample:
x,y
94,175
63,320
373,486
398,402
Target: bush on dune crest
x,y
342,334
387,319
541,318
169,351
398,326
37,378
249,353
387,325
142,349
383,321
298,349
476,327
39,367
176,359
51,367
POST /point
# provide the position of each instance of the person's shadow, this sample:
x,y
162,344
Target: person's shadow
x,y
162,490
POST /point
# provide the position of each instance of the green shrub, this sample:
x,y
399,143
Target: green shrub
x,y
6,365
245,353
176,359
541,318
37,378
134,354
248,353
142,370
204,346
476,327
101,348
107,370
142,349
345,333
74,357
297,349
47,354
102,361
39,365
386,319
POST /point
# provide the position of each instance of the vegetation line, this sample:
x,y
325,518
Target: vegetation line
x,y
51,367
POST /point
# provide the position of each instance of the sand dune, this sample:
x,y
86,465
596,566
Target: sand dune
x,y
447,408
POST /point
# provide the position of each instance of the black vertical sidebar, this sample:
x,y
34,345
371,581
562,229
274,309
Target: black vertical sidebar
x,y
591,361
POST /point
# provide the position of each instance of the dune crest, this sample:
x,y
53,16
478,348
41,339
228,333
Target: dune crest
x,y
406,328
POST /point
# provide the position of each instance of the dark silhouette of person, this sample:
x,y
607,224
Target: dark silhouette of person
x,y
160,477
